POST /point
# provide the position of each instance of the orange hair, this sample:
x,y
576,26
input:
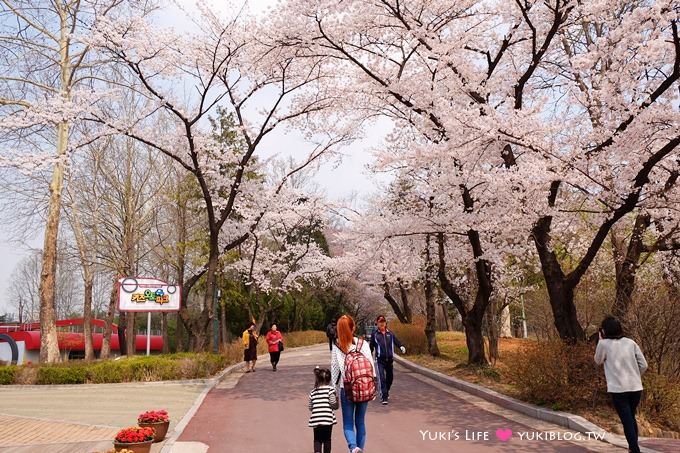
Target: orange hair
x,y
345,329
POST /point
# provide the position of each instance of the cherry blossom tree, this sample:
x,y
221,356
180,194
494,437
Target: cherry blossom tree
x,y
284,252
496,92
233,71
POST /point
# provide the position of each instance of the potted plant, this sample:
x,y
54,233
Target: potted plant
x,y
158,420
134,438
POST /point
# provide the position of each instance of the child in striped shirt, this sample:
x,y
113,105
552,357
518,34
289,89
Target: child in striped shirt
x,y
323,400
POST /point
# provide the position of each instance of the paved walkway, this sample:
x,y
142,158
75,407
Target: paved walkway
x,y
266,411
83,418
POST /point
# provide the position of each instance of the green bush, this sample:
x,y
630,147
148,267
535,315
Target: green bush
x,y
7,374
183,365
661,400
108,372
62,374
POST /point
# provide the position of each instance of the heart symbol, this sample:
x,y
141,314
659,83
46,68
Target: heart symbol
x,y
504,434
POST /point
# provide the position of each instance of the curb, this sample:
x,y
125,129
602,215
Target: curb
x,y
564,419
211,383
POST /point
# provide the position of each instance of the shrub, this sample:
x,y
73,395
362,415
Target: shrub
x,y
184,365
661,400
411,335
304,338
152,368
7,374
62,374
557,374
108,372
26,375
233,352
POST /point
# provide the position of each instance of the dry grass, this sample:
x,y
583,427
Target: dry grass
x,y
542,375
411,335
233,353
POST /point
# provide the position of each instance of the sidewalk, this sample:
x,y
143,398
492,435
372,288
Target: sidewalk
x,y
266,411
83,418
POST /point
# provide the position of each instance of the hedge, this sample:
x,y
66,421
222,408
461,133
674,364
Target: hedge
x,y
134,369
7,374
164,367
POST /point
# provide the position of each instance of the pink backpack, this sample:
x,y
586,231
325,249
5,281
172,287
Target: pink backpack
x,y
358,381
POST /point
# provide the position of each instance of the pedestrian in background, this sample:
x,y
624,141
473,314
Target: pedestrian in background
x,y
331,333
382,343
274,344
250,347
623,367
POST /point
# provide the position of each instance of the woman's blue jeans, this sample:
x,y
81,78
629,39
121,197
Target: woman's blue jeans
x,y
353,425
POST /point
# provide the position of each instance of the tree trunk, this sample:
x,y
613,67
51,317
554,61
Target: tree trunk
x,y
204,337
474,339
505,322
445,313
560,290
131,334
401,315
561,296
625,271
49,344
471,318
223,325
492,331
408,313
179,333
87,317
430,308
108,322
164,332
122,333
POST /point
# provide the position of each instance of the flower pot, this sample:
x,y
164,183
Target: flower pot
x,y
138,447
160,427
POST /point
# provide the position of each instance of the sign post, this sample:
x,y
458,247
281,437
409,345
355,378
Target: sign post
x,y
144,294
148,333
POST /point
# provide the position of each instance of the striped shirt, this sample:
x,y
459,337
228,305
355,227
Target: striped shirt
x,y
320,401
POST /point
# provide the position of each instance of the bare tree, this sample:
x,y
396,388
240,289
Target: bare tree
x,y
42,66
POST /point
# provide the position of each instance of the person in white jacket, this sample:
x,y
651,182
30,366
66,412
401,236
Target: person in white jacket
x,y
624,364
353,414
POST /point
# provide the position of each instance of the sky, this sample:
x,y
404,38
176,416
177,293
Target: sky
x,y
342,178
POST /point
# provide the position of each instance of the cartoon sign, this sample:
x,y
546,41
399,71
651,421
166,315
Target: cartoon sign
x,y
147,294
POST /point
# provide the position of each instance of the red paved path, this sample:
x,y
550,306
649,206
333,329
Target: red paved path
x,y
267,412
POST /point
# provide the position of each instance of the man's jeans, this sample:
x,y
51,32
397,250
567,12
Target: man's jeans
x,y
386,375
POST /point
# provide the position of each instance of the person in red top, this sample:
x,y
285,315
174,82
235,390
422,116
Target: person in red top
x,y
275,344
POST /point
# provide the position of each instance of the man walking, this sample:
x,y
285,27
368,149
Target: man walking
x,y
382,343
331,333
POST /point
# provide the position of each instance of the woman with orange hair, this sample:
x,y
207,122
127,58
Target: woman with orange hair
x,y
351,362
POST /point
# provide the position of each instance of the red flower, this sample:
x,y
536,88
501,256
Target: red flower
x,y
153,417
135,434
